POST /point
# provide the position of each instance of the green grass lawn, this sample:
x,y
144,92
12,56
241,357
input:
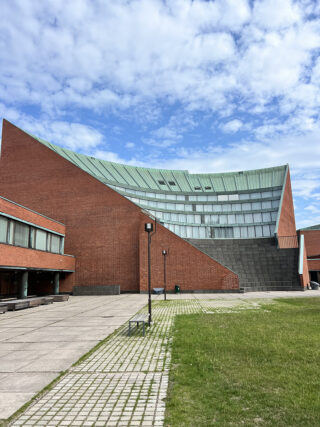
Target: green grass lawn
x,y
248,368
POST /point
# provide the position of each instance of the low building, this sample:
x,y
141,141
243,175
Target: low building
x,y
311,236
32,259
221,231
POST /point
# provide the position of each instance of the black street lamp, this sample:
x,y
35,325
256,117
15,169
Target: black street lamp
x,y
148,227
165,253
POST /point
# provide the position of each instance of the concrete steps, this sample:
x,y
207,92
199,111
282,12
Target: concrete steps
x,y
260,265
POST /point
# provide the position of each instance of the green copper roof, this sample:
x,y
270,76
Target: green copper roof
x,y
312,227
163,180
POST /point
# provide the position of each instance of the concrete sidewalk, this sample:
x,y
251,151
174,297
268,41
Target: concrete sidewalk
x,y
38,343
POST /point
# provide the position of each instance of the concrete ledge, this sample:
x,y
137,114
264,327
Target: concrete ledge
x,y
96,290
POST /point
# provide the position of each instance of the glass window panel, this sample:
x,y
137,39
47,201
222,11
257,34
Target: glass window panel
x,y
257,217
248,219
188,208
55,243
3,229
266,194
236,207
258,231
222,197
272,228
236,232
177,229
255,195
256,205
182,231
197,219
199,208
171,197
21,234
207,219
180,197
216,208
41,240
202,198
213,219
226,208
275,203
193,198
274,216
202,233
251,232
266,231
174,217
244,232
212,198
207,208
190,219
239,218
222,219
233,196
189,231
244,196
10,232
231,219
246,206
276,193
266,204
170,206
32,238
266,217
195,232
228,232
182,218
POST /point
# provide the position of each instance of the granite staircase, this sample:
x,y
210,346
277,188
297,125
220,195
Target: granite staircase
x,y
260,265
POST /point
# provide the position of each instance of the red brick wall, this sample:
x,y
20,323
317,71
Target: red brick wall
x,y
311,241
314,265
287,224
13,209
14,256
102,227
186,265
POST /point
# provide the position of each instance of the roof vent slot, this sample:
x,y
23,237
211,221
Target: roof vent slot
x,y
207,188
197,188
161,182
172,183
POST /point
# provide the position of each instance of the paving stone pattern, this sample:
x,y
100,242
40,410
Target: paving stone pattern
x,y
124,382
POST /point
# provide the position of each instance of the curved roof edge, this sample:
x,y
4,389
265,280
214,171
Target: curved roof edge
x,y
170,180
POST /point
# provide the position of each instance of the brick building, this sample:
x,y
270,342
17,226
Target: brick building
x,y
222,232
311,237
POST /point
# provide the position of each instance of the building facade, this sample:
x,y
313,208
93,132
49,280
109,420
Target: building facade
x,y
32,259
212,225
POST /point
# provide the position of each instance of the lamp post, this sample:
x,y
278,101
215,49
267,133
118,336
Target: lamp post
x,y
164,253
148,227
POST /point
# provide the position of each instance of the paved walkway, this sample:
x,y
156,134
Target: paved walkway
x,y
124,382
38,343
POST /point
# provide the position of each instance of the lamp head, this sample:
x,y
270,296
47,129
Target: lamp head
x,y
148,227
164,252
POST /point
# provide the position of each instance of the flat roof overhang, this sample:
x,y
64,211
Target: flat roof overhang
x,y
10,268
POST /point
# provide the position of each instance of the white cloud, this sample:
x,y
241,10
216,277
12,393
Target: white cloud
x,y
232,126
130,145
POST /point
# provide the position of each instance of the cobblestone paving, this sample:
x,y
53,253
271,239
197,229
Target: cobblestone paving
x,y
124,382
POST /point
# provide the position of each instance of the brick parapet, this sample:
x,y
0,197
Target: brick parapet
x,y
188,267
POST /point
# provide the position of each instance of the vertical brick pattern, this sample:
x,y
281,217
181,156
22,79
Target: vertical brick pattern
x,y
287,223
186,266
104,231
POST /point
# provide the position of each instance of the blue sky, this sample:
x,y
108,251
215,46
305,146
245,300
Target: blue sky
x,y
208,86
